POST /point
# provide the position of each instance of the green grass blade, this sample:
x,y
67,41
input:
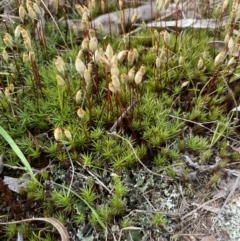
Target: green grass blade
x,y
18,152
90,207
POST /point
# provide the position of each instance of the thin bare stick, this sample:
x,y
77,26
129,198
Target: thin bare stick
x,y
170,214
54,21
135,154
94,176
73,170
202,125
200,206
113,128
2,164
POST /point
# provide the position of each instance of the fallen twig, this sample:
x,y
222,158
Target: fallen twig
x,y
113,128
199,207
95,177
135,154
